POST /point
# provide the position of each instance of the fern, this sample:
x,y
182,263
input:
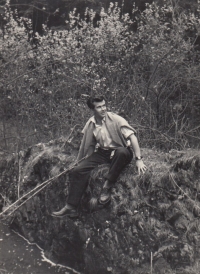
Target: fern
x,y
193,206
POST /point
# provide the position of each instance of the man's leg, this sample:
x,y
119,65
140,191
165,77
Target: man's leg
x,y
120,160
78,182
79,177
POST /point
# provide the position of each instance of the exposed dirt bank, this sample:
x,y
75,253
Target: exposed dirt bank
x,y
17,256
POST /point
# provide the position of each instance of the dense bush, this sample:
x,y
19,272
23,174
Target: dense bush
x,y
150,75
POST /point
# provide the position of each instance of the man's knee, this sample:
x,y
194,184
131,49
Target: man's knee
x,y
122,152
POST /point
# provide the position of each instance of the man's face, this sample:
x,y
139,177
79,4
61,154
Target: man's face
x,y
100,109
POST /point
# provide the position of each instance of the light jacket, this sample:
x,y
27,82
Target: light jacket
x,y
113,123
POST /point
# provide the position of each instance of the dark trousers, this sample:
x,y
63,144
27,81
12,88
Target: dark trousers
x,y
79,176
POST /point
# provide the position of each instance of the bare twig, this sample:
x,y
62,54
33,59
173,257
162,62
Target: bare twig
x,y
155,69
31,6
166,137
70,135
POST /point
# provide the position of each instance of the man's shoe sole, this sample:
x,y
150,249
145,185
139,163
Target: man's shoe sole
x,y
70,215
105,202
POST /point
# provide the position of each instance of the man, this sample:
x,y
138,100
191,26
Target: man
x,y
105,138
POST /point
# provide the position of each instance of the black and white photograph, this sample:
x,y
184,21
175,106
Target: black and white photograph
x,y
99,137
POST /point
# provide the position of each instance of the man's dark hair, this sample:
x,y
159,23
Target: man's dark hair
x,y
92,100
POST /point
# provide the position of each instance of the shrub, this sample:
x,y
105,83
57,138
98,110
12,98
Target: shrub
x,y
149,75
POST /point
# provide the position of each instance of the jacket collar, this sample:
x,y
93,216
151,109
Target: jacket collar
x,y
93,120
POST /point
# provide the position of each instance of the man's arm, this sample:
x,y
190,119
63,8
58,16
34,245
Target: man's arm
x,y
139,163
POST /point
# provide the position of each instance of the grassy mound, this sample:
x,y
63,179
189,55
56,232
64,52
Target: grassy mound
x,y
151,224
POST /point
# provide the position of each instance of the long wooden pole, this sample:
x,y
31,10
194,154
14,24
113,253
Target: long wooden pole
x,y
38,188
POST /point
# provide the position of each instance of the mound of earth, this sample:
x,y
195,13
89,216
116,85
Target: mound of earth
x,y
151,225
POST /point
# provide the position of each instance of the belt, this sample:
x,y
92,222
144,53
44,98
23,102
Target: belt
x,y
106,149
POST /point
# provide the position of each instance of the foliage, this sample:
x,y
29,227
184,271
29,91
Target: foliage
x,y
150,75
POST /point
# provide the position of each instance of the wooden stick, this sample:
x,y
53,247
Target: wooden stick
x,y
38,188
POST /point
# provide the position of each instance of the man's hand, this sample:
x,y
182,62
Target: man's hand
x,y
140,166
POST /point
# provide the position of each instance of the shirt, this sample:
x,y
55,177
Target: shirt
x,y
103,137
114,123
